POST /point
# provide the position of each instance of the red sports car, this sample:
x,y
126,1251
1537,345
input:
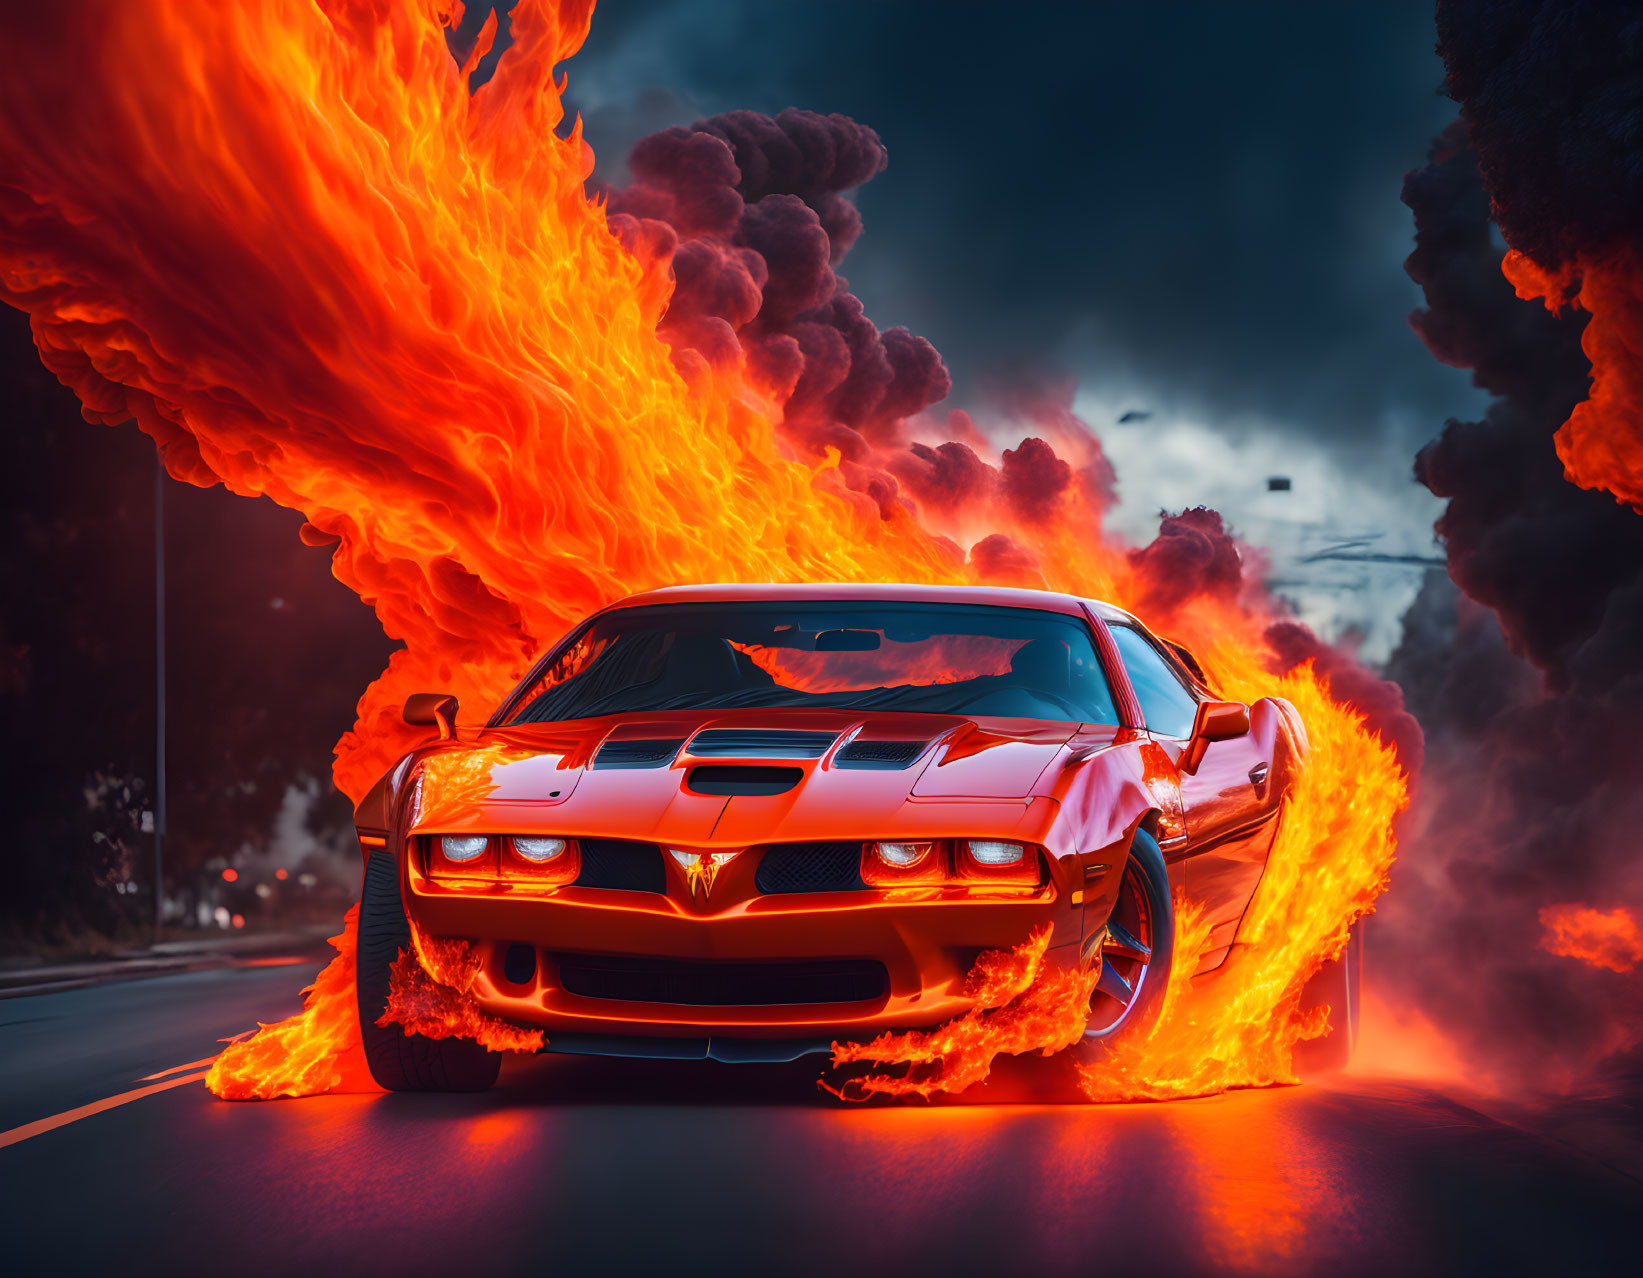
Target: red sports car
x,y
742,822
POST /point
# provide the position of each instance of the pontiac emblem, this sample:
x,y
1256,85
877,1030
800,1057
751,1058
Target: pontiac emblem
x,y
701,868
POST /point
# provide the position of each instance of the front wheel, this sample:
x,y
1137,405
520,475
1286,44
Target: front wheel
x,y
399,1061
1136,953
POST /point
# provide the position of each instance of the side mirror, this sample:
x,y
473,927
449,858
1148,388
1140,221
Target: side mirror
x,y
430,708
1215,721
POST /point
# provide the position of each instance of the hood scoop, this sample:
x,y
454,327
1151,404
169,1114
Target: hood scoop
x,y
741,778
637,753
760,743
888,756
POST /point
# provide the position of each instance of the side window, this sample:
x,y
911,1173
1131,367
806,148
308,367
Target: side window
x,y
1165,704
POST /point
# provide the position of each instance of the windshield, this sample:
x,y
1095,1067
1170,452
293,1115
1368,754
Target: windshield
x,y
932,658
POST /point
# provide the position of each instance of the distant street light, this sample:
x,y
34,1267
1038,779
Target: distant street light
x,y
159,690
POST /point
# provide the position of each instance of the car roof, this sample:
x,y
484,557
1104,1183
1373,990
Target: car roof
x,y
876,592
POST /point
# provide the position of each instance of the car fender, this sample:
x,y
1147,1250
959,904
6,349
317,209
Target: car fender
x,y
1106,792
377,814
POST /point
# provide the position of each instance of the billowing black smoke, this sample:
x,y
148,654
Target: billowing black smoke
x,y
756,212
1552,94
1532,794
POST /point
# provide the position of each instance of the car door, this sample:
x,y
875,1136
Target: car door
x,y
1228,830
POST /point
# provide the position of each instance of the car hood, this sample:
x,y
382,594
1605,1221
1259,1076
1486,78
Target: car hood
x,y
847,775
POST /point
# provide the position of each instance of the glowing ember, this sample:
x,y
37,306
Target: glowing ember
x,y
1610,939
1022,1004
317,1050
430,992
289,242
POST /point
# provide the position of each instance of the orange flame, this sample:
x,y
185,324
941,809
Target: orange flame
x,y
1329,862
287,240
1610,939
1601,444
1022,1004
317,1050
430,992
453,784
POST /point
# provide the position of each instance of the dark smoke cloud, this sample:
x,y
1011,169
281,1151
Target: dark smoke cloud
x,y
1546,556
1194,554
757,205
1531,795
1552,93
756,208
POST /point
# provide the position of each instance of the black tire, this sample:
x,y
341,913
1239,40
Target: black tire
x,y
399,1061
1144,890
1337,983
1146,912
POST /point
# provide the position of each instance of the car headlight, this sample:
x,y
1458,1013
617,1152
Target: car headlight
x,y
538,849
463,847
993,852
903,863
545,860
904,856
997,862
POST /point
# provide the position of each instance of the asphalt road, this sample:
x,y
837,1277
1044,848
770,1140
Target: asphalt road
x,y
576,1165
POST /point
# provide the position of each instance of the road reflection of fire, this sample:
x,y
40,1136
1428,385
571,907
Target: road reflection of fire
x,y
1265,1187
316,267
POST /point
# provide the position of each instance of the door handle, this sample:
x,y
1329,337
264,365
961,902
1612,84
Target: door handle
x,y
1257,774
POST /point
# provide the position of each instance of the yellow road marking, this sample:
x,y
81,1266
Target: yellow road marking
x,y
40,1126
177,1069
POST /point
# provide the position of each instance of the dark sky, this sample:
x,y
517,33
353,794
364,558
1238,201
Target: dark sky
x,y
1193,207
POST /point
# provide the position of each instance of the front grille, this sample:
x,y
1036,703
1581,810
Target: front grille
x,y
879,754
760,743
810,867
637,753
624,866
651,980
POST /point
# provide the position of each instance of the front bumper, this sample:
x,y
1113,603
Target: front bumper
x,y
926,939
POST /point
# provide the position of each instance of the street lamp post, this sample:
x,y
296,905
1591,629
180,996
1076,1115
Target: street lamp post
x,y
159,691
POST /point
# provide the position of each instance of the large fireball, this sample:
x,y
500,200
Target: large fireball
x,y
287,240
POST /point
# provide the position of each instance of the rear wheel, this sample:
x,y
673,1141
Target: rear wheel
x,y
1337,983
399,1061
